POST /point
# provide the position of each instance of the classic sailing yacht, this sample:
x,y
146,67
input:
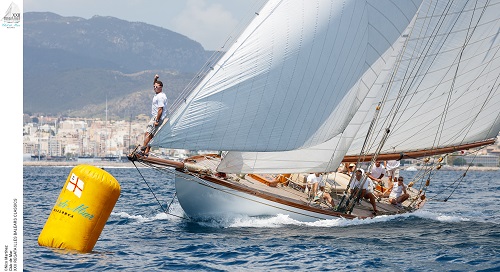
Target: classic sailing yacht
x,y
309,85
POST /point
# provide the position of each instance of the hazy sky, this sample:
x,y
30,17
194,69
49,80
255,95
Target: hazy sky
x,y
209,22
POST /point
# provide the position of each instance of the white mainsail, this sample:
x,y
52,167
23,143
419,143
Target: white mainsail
x,y
446,90
287,82
444,93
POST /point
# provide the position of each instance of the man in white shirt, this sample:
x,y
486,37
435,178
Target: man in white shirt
x,y
392,169
158,115
398,193
377,173
314,180
357,184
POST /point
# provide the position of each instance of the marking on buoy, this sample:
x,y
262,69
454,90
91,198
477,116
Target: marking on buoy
x,y
75,185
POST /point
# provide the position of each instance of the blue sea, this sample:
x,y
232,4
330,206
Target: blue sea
x,y
460,234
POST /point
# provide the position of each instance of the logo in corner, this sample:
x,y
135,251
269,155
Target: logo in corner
x,y
12,16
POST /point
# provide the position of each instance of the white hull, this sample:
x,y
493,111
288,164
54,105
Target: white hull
x,y
205,194
202,199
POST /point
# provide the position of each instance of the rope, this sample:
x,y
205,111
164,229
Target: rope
x,y
470,31
458,182
159,203
370,137
418,66
198,181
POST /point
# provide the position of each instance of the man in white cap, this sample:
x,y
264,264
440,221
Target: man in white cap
x,y
350,169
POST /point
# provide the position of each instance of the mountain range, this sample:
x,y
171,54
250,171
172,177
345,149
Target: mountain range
x,y
76,67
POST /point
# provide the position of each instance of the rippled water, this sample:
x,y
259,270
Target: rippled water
x,y
457,235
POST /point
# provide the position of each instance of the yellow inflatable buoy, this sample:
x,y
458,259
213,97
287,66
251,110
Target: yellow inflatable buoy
x,y
81,210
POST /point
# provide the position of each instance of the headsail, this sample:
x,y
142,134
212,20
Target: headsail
x,y
325,156
286,83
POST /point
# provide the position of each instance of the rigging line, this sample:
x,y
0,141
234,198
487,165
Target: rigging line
x,y
492,90
447,104
466,41
387,89
420,60
332,157
435,30
391,79
463,176
460,179
159,203
372,162
370,134
406,85
202,72
420,177
341,206
468,37
362,152
215,57
372,137
490,94
161,206
427,46
157,168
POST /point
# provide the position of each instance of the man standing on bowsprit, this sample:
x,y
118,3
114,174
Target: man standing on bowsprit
x,y
158,115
